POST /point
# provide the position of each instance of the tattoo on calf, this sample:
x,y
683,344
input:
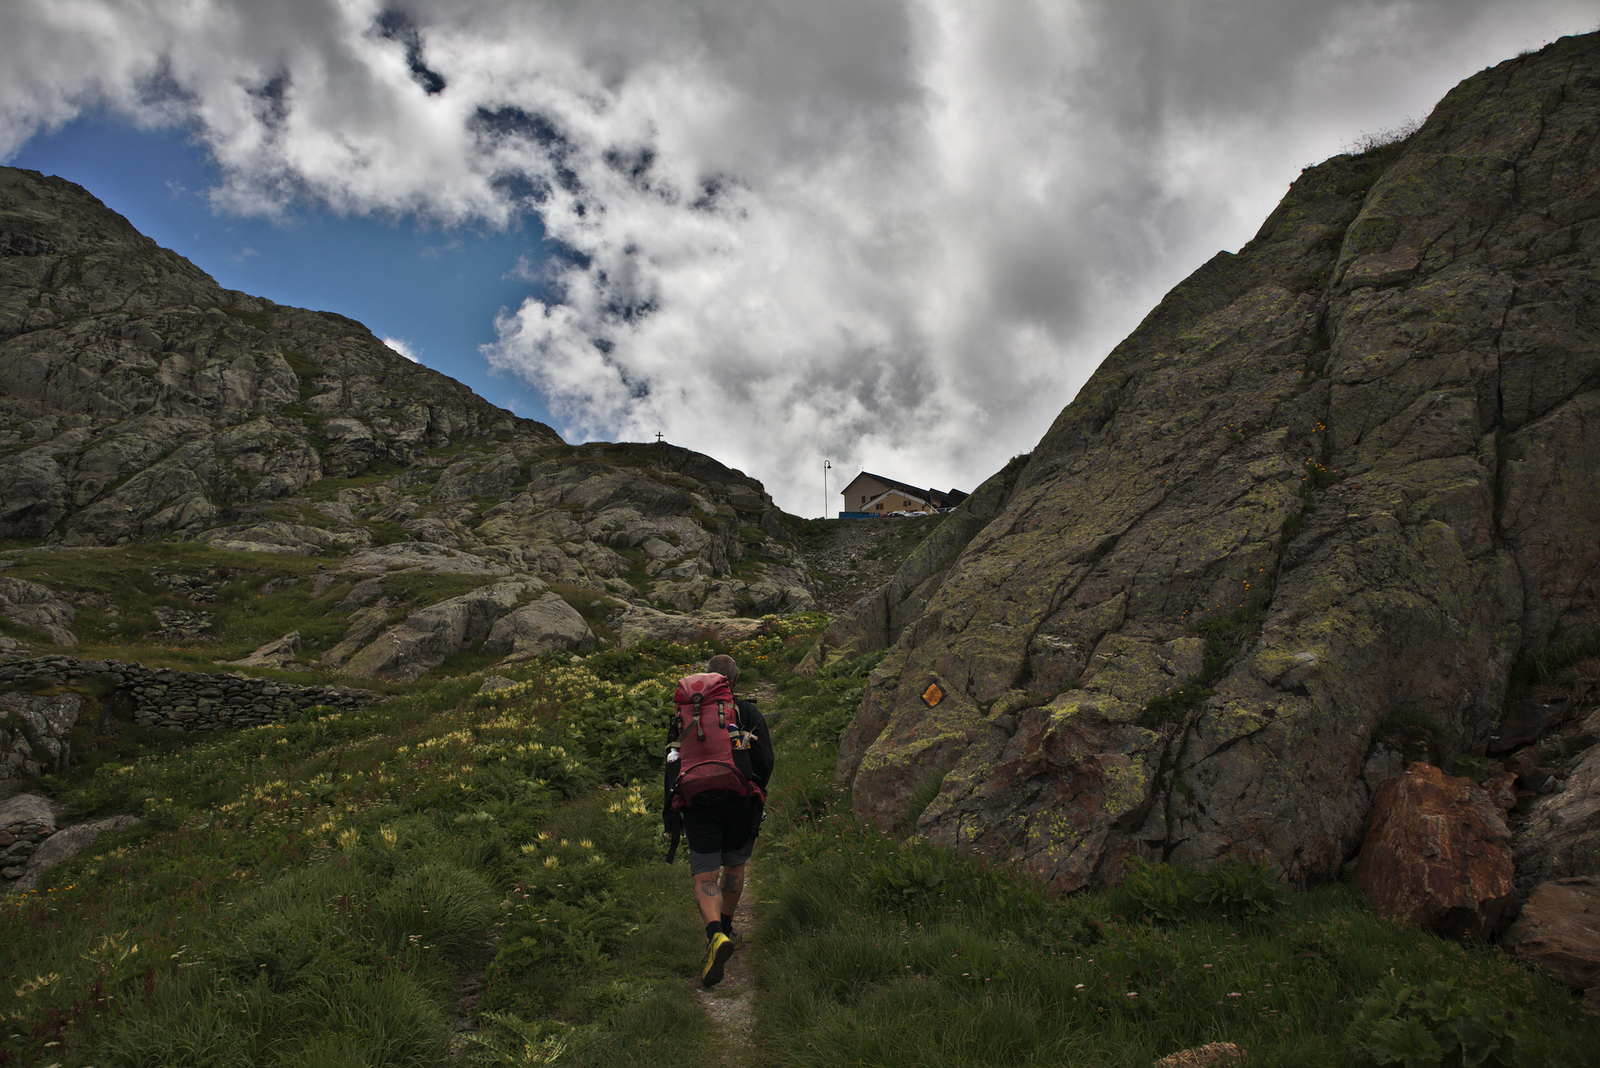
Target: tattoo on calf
x,y
710,888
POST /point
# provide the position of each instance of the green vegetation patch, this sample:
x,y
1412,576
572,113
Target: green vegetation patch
x,y
325,890
305,370
416,589
1554,662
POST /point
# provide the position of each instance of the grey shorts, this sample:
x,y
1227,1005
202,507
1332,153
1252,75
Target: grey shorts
x,y
719,835
700,863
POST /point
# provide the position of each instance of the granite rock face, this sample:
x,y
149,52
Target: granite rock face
x,y
1560,834
140,401
1356,463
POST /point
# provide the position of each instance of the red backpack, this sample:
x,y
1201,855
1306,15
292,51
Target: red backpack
x,y
708,736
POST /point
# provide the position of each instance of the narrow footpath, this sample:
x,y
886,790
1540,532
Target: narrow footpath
x,y
731,1004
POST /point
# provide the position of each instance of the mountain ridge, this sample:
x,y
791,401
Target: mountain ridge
x,y
143,402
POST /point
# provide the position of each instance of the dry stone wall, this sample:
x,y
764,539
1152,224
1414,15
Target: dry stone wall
x,y
186,700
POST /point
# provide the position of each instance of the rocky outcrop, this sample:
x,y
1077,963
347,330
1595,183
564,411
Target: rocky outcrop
x,y
279,653
1559,836
1438,855
143,398
139,400
1559,932
34,731
28,604
431,634
547,624
1356,462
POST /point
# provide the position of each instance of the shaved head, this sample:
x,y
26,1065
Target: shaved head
x,y
724,665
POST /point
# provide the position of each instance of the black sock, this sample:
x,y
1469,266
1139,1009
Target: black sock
x,y
727,924
713,929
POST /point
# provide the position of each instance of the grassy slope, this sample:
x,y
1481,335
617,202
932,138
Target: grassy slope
x,y
327,891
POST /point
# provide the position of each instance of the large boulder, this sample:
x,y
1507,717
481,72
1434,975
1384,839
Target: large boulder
x,y
1357,460
68,842
34,733
547,624
430,635
1438,855
1559,932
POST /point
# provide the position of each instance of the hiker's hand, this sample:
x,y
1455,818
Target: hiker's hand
x,y
672,825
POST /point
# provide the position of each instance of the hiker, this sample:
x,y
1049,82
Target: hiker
x,y
721,823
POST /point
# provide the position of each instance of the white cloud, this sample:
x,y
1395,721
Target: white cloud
x,y
897,234
401,346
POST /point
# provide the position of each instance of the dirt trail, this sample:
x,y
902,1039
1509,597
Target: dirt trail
x,y
731,1004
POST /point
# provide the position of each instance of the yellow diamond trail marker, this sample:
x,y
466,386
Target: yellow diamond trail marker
x,y
932,695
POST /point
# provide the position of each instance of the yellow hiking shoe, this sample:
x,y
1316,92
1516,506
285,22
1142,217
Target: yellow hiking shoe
x,y
718,951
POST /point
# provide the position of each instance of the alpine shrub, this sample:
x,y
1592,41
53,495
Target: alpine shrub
x,y
1243,889
1159,892
1434,1024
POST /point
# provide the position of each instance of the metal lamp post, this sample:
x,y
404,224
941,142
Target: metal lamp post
x,y
826,467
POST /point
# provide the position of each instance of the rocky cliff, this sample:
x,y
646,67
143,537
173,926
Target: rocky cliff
x,y
1332,485
140,401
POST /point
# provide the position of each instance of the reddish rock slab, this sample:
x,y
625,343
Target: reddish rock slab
x,y
1437,854
1502,789
1559,932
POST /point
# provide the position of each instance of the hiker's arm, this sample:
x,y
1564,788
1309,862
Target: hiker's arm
x,y
761,757
670,820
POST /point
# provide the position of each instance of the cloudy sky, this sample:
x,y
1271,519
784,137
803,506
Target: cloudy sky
x,y
893,234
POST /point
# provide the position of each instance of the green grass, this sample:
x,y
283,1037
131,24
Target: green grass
x,y
420,588
317,891
877,951
245,615
595,607
1554,661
